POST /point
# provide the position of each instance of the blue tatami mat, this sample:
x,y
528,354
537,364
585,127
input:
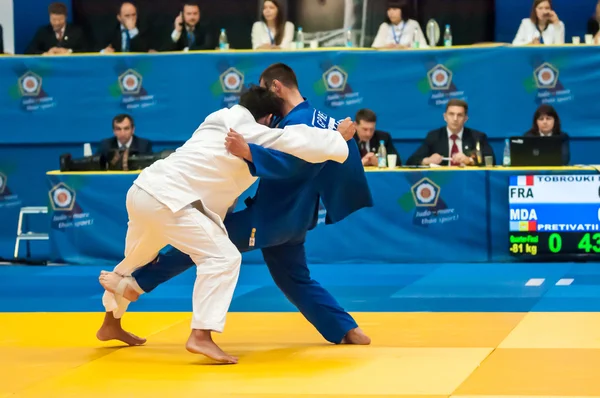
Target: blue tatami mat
x,y
358,287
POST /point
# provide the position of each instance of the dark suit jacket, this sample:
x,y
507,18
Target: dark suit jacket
x,y
1,41
437,142
45,39
593,26
374,144
203,40
139,146
566,151
139,44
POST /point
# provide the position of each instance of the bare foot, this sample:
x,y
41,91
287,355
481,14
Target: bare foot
x,y
201,342
111,329
111,280
356,336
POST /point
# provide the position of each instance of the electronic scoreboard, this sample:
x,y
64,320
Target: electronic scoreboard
x,y
553,215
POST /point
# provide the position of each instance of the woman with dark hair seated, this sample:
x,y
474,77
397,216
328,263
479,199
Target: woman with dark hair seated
x,y
593,26
546,123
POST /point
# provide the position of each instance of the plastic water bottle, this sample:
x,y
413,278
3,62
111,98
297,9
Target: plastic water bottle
x,y
349,43
447,37
87,150
300,38
416,43
381,155
223,43
506,156
431,27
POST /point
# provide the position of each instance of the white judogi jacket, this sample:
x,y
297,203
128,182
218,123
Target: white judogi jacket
x,y
202,169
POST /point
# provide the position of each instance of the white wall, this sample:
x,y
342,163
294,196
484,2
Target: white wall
x,y
7,22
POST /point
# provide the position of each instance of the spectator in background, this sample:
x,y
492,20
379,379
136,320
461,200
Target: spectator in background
x,y
128,37
546,123
123,129
399,31
542,26
58,37
593,26
273,32
368,138
197,35
454,141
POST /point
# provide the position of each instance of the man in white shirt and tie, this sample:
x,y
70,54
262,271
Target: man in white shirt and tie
x,y
453,144
124,139
128,37
58,37
182,201
189,33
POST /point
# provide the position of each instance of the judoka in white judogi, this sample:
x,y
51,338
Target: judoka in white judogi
x,y
182,201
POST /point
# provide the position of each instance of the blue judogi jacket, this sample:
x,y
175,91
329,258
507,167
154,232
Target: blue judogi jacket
x,y
286,203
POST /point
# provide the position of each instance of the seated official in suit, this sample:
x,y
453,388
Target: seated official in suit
x,y
454,141
124,139
546,123
127,37
368,138
196,36
58,37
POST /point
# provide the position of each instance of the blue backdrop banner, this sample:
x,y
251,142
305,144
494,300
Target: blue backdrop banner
x,y
436,216
73,99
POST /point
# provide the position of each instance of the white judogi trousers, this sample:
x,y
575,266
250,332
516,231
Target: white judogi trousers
x,y
153,226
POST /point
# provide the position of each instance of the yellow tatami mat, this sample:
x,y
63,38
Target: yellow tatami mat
x,y
413,354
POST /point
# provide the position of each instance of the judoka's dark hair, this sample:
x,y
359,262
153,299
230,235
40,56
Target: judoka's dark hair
x,y
261,102
280,72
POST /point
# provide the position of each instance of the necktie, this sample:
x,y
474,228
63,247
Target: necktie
x,y
541,34
363,149
190,36
454,150
126,160
125,40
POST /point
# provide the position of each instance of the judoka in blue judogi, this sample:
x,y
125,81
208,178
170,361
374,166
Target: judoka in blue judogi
x,y
283,210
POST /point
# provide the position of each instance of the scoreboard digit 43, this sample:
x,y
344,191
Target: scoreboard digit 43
x,y
554,215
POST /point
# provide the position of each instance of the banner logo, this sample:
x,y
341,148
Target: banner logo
x,y
62,198
441,86
7,197
33,96
132,91
440,78
232,81
549,88
546,76
335,79
425,193
130,82
334,85
424,199
229,85
30,84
